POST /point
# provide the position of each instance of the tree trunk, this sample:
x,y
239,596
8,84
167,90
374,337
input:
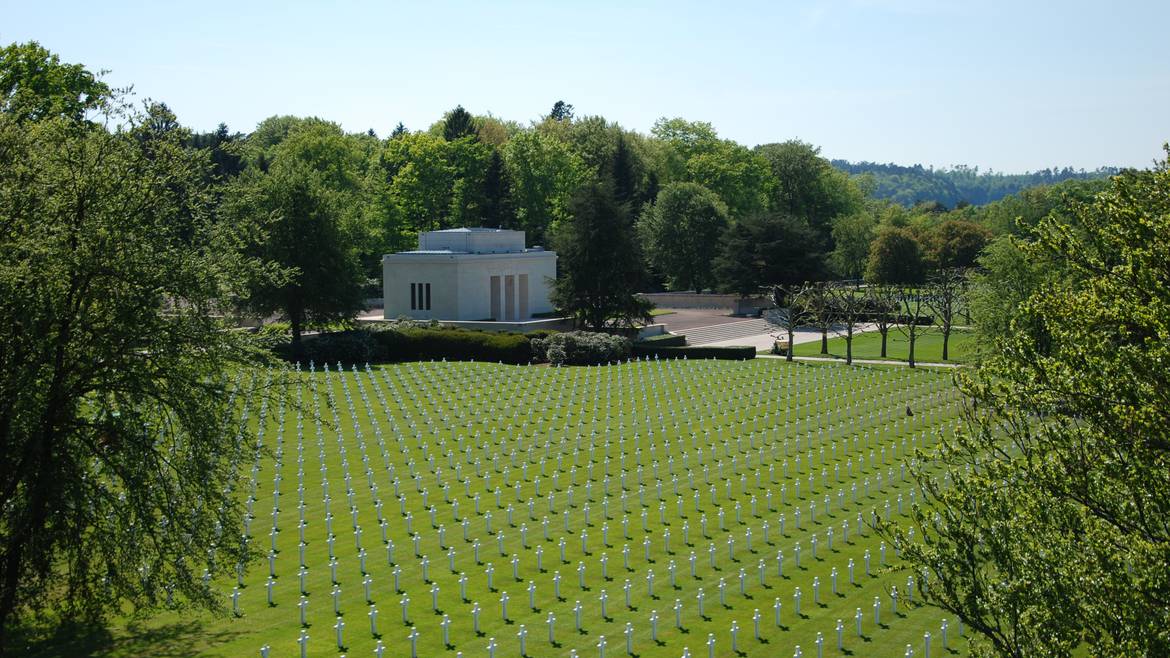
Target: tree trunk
x,y
849,348
824,341
294,320
885,332
946,339
788,353
913,335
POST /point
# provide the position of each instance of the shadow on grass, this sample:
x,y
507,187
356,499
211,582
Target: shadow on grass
x,y
94,639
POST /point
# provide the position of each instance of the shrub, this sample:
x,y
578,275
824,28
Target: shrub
x,y
347,347
730,352
580,348
664,340
454,344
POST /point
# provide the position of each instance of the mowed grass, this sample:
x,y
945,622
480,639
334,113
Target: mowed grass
x,y
927,346
628,453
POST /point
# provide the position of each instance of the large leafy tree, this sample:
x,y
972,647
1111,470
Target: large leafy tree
x,y
601,265
545,173
693,152
895,257
681,233
1050,532
807,186
120,384
310,193
767,249
34,84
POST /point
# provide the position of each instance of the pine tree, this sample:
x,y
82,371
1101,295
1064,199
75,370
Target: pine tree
x,y
625,181
458,124
497,194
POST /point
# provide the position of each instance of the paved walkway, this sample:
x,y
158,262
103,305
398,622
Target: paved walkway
x,y
867,362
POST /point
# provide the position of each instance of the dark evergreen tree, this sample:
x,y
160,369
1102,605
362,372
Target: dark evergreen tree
x,y
768,249
398,131
601,265
458,124
498,211
561,111
625,180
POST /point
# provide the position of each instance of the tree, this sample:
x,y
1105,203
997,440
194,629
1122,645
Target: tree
x,y
911,303
399,131
852,235
882,305
497,193
1050,534
457,124
894,257
807,186
561,111
122,385
625,180
768,249
544,174
310,194
954,243
789,313
822,312
681,234
849,309
600,263
34,85
945,297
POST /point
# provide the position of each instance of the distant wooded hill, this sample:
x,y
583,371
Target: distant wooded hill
x,y
955,185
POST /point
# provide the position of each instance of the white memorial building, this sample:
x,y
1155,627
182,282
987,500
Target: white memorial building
x,y
469,274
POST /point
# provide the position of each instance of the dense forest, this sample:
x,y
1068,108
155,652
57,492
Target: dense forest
x,y
955,186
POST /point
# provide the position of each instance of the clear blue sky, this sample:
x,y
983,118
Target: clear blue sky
x,y
1011,86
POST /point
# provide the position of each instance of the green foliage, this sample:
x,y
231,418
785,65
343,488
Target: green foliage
x,y
694,153
581,348
954,243
1049,534
807,186
959,185
895,257
457,124
852,234
309,193
121,386
561,111
681,233
34,85
414,344
664,340
769,249
544,172
723,353
601,266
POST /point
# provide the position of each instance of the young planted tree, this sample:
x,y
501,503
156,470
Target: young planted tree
x,y
822,312
945,294
789,313
849,310
911,304
882,309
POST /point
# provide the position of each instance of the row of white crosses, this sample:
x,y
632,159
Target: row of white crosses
x,y
422,447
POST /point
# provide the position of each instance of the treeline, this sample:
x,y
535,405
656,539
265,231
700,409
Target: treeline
x,y
679,208
955,186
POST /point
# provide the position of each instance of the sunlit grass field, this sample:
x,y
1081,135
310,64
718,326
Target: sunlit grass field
x,y
643,483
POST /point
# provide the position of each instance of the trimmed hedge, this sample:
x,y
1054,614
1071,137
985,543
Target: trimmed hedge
x,y
453,345
664,340
727,353
409,342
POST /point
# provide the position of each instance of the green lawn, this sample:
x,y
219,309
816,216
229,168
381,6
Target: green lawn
x,y
655,312
600,453
927,346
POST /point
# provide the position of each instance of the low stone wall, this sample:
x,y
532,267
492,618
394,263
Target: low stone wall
x,y
555,324
707,300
